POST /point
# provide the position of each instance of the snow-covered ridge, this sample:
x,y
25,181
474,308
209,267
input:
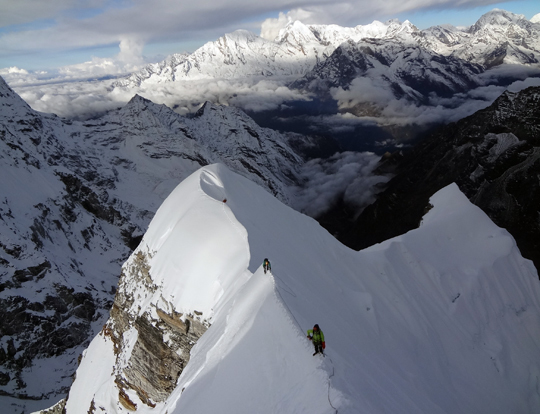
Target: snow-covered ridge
x,y
430,321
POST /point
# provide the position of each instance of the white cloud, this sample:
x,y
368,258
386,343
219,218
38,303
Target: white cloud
x,y
69,91
13,69
73,99
520,85
270,27
363,90
345,176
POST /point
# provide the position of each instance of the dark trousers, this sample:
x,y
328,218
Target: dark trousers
x,y
318,347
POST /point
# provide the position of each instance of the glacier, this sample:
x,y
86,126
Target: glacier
x,y
442,319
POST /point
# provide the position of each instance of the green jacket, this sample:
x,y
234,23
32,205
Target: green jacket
x,y
316,336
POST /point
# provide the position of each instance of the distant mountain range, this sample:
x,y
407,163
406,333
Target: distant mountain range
x,y
396,59
497,37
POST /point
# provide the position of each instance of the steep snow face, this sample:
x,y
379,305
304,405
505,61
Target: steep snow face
x,y
442,319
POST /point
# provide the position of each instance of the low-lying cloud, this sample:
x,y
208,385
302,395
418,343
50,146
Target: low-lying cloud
x,y
372,100
71,94
346,176
85,90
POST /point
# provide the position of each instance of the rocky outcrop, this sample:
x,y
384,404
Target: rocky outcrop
x,y
56,409
152,365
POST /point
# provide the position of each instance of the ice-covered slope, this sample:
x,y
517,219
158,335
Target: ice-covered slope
x,y
440,320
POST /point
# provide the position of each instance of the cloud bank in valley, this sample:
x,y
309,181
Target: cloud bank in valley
x,y
346,176
382,107
69,94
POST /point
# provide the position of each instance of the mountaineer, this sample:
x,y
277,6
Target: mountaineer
x,y
317,337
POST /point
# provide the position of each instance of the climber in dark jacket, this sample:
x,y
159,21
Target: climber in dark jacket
x,y
317,337
266,266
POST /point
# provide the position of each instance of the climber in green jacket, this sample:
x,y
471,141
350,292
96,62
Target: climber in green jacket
x,y
317,337
266,266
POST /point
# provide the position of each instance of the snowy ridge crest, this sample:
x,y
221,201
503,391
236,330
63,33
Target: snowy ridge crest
x,y
435,305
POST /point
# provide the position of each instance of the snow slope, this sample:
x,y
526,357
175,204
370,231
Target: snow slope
x,y
443,319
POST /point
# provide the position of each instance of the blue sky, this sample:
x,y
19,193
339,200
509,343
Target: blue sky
x,y
44,35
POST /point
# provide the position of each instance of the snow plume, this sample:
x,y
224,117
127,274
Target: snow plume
x,y
346,176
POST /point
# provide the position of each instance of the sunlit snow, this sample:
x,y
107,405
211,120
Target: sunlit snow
x,y
443,319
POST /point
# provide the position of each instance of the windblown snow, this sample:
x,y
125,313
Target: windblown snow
x,y
443,319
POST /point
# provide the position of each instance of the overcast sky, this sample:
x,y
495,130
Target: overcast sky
x,y
43,35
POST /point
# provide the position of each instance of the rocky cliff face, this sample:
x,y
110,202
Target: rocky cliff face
x,y
152,365
494,157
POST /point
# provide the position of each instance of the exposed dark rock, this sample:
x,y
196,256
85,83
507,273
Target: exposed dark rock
x,y
4,378
45,329
92,202
493,156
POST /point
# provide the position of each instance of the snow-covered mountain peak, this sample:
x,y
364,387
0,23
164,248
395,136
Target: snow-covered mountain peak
x,y
374,29
240,36
536,18
295,32
223,113
137,102
405,31
497,18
